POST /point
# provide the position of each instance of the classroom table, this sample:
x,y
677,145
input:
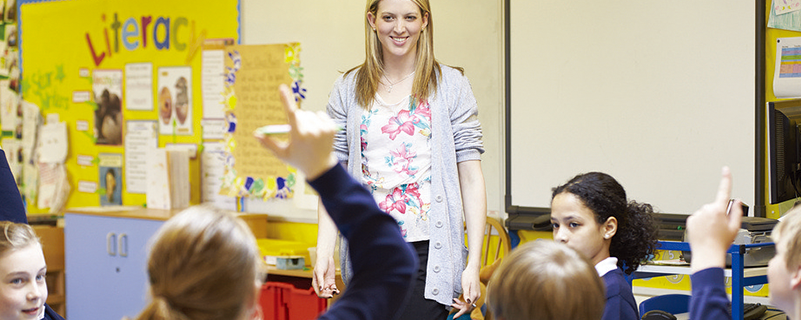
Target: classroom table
x,y
740,275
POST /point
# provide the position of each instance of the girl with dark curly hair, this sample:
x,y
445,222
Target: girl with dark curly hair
x,y
590,213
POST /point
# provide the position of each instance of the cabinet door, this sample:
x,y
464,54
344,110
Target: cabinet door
x,y
106,260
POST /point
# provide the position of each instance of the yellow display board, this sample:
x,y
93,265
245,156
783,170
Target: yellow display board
x,y
106,66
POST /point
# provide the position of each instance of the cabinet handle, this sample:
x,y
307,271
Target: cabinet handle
x,y
111,243
123,245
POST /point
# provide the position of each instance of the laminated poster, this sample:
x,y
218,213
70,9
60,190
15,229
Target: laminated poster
x,y
253,74
787,75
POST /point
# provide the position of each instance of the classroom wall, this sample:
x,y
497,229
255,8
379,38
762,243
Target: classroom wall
x,y
468,34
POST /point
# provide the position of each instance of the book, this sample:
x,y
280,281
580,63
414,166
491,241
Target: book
x,y
167,179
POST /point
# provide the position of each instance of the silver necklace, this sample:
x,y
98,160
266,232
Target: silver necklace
x,y
390,85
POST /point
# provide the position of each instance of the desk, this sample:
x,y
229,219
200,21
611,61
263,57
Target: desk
x,y
740,276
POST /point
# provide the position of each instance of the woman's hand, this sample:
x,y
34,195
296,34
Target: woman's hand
x,y
323,278
471,291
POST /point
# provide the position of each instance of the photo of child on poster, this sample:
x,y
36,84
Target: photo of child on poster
x,y
107,90
111,182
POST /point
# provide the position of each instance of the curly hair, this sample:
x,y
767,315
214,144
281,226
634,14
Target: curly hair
x,y
635,239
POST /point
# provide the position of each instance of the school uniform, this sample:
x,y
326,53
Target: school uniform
x,y
49,314
12,208
620,303
383,263
709,300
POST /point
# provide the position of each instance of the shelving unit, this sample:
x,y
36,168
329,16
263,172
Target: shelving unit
x,y
740,275
53,248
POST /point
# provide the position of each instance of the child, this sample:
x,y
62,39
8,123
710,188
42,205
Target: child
x,y
204,264
23,289
545,280
711,231
590,213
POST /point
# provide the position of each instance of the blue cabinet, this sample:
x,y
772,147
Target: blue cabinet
x,y
105,260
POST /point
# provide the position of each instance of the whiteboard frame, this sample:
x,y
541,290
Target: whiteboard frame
x,y
758,207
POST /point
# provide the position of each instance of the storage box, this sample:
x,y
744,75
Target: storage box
x,y
273,248
284,301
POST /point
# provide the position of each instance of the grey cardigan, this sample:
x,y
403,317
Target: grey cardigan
x,y
456,137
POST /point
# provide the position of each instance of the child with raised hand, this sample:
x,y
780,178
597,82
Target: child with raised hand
x,y
591,214
383,264
23,290
711,231
544,280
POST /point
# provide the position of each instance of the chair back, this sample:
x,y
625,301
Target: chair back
x,y
671,303
503,246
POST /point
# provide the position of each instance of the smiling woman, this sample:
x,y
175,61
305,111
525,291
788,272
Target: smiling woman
x,y
412,136
23,289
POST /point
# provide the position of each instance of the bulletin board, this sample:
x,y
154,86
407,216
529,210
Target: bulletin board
x,y
781,25
102,68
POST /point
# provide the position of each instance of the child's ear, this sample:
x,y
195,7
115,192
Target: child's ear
x,y
610,228
795,281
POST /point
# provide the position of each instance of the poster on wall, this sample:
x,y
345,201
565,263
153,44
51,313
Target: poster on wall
x,y
253,76
107,91
175,100
110,172
74,51
139,86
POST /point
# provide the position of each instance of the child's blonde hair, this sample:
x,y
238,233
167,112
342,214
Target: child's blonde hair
x,y
546,280
16,236
203,264
788,232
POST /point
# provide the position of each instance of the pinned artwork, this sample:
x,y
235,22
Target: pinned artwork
x,y
253,74
175,100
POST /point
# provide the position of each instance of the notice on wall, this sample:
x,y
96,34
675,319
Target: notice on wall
x,y
787,77
139,86
139,137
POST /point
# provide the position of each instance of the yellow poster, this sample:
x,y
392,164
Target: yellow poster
x,y
252,79
99,64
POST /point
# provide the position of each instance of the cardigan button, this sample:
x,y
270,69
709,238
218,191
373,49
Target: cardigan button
x,y
436,269
438,198
435,291
439,224
438,245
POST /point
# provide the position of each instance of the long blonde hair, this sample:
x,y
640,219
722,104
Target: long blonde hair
x,y
545,280
16,236
427,69
203,265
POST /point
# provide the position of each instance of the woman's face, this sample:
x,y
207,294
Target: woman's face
x,y
574,225
23,290
398,24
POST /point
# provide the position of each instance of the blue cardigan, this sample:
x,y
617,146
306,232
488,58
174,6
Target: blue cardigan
x,y
620,302
383,263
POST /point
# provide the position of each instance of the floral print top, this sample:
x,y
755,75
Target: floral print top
x,y
396,162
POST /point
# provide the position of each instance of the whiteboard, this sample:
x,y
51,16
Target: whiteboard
x,y
659,94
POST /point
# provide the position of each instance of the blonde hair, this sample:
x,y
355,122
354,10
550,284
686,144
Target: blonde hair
x,y
427,69
203,264
16,236
546,280
788,232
